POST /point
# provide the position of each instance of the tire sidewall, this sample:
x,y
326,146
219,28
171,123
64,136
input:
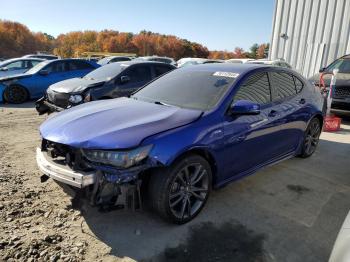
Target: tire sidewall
x,y
9,100
172,172
303,153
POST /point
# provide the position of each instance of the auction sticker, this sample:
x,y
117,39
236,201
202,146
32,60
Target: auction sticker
x,y
226,74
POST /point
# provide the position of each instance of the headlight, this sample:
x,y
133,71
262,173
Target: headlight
x,y
123,159
75,99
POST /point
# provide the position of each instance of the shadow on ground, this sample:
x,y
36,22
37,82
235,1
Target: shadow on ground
x,y
289,212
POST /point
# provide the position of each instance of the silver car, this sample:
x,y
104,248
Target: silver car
x,y
17,66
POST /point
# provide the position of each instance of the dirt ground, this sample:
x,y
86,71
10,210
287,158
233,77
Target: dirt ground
x,y
289,212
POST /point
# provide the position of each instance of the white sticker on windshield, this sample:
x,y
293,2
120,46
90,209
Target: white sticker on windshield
x,y
226,74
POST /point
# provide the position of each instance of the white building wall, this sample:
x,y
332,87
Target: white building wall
x,y
310,34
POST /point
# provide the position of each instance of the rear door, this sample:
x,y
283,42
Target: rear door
x,y
138,75
252,140
290,103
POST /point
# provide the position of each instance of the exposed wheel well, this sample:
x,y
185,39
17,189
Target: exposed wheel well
x,y
206,155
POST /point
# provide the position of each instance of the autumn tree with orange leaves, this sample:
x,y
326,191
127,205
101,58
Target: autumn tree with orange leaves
x,y
17,40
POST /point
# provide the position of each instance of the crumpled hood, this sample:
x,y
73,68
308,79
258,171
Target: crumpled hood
x,y
75,85
112,124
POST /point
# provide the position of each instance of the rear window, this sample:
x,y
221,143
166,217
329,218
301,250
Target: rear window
x,y
284,85
161,70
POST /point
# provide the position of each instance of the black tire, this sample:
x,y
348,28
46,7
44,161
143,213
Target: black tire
x,y
16,94
178,193
311,138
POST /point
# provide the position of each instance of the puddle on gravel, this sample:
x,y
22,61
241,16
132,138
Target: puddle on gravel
x,y
228,242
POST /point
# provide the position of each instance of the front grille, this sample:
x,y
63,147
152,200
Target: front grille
x,y
341,92
58,99
65,155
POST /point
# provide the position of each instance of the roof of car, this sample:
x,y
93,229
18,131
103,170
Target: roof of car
x,y
132,62
24,58
226,67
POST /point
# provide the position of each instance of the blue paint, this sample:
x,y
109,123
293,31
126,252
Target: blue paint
x,y
36,83
238,145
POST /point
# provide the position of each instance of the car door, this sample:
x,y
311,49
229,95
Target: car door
x,y
52,73
252,140
290,104
132,79
77,68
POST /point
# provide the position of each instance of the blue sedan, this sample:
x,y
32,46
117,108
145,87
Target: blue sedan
x,y
34,82
193,129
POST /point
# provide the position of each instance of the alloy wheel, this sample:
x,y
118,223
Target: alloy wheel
x,y
312,137
188,191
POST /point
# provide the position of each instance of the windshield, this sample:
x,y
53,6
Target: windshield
x,y
37,67
106,72
343,65
191,89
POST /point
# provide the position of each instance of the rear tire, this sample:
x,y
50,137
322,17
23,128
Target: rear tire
x,y
178,193
311,138
16,94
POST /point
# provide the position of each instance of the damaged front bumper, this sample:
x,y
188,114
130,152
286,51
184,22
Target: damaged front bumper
x,y
43,106
63,173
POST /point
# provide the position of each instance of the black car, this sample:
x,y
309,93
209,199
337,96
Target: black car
x,y
341,93
109,81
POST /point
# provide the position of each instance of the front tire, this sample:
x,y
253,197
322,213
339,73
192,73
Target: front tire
x,y
311,138
178,193
16,94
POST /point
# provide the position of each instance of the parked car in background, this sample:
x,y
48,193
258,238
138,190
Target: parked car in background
x,y
2,59
341,248
163,59
239,60
17,66
109,81
113,59
42,56
199,61
34,82
278,62
192,129
341,94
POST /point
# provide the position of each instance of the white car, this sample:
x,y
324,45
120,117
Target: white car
x,y
341,249
238,60
17,66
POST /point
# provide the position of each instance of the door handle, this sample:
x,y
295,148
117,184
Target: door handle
x,y
302,101
272,113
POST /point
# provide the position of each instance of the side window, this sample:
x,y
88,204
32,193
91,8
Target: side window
x,y
79,65
298,84
139,74
255,88
283,85
56,67
27,64
161,70
119,59
15,65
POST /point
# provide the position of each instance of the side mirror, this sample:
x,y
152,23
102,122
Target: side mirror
x,y
322,70
44,72
4,69
124,79
244,107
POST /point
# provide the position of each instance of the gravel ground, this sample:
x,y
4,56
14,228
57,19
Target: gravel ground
x,y
289,212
